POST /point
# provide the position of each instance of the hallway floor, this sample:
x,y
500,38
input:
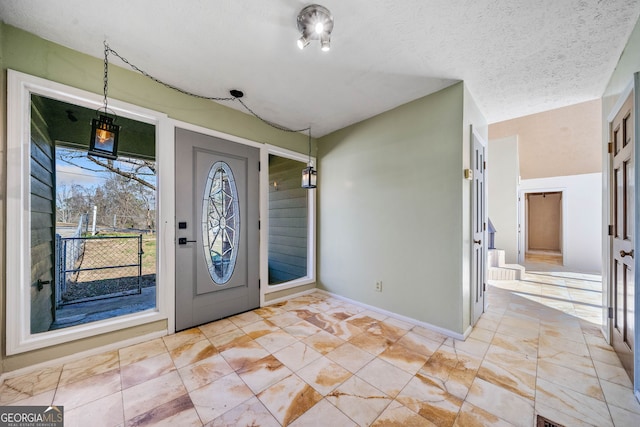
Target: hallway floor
x,y
319,361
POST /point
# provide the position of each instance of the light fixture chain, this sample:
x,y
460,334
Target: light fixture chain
x,y
195,95
106,74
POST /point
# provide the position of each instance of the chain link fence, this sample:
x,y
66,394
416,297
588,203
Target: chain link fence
x,y
98,267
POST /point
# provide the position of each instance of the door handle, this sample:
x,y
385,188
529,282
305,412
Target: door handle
x,y
184,241
477,242
624,254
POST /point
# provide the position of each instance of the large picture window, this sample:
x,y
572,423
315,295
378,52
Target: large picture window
x,y
83,228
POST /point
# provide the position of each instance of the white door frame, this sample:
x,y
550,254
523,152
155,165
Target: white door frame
x,y
523,233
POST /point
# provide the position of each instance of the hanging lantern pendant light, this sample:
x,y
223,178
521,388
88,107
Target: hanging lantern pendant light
x,y
309,174
104,132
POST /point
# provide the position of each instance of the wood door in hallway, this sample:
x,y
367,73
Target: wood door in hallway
x,y
478,228
623,245
217,247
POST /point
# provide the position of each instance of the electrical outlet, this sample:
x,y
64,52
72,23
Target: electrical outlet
x,y
379,286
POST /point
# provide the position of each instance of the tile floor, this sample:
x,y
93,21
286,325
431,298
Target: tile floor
x,y
319,361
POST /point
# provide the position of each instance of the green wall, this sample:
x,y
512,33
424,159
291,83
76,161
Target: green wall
x,y
394,207
27,53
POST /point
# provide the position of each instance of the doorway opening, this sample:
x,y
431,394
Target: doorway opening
x,y
543,227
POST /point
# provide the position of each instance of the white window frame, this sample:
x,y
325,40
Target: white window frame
x,y
310,278
20,86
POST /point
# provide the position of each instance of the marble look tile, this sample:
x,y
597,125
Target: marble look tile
x,y
398,415
452,370
141,398
403,358
350,357
407,326
622,417
138,352
297,356
263,373
388,331
28,385
324,375
241,356
289,398
620,396
501,403
323,342
219,397
277,340
520,333
512,359
472,346
302,329
514,380
362,321
106,411
146,369
323,414
192,352
563,332
487,323
424,397
604,354
230,339
269,311
204,372
322,321
344,330
370,343
168,414
472,416
88,367
384,376
41,399
218,327
569,378
250,413
571,361
481,334
572,403
549,345
419,343
525,346
560,417
184,337
305,313
359,400
78,393
244,319
614,374
259,328
284,319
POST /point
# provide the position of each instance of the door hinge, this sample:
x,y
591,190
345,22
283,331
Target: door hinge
x,y
259,224
611,230
610,147
484,287
484,227
610,312
259,166
259,284
484,165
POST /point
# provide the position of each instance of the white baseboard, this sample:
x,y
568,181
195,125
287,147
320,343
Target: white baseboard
x,y
425,325
81,355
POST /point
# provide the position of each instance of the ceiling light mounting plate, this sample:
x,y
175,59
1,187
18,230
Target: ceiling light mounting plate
x,y
236,93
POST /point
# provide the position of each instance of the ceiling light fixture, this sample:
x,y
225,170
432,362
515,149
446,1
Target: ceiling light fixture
x,y
315,22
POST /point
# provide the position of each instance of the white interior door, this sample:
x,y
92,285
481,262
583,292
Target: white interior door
x,y
479,228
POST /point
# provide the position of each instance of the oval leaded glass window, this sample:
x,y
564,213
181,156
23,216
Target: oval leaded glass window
x,y
220,222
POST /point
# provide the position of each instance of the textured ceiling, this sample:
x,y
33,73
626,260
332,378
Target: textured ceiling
x,y
517,57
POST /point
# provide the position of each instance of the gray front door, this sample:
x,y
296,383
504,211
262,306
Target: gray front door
x,y
217,254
